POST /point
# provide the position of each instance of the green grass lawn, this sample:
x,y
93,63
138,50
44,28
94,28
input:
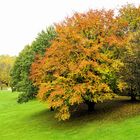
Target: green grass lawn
x,y
113,120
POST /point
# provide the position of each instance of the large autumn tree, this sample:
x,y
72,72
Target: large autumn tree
x,y
21,69
130,73
81,63
6,63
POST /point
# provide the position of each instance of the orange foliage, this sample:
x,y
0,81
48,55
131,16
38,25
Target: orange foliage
x,y
76,66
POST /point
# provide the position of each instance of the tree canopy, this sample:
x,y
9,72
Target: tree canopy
x,y
81,63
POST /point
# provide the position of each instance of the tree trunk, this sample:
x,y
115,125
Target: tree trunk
x,y
91,106
51,109
133,98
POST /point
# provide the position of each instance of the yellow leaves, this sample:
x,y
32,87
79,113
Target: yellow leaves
x,y
79,88
101,92
63,113
62,116
99,88
87,51
72,66
43,89
117,64
83,64
75,98
105,58
56,92
122,85
55,103
6,64
104,88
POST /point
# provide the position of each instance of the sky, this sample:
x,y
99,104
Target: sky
x,y
22,20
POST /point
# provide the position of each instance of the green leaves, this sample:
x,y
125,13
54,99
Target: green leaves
x,y
21,70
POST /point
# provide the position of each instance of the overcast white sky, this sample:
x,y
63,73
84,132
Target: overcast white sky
x,y
22,20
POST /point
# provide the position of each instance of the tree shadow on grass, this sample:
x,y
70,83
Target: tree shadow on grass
x,y
115,110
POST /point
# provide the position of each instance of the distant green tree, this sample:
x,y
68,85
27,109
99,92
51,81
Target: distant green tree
x,y
21,69
6,63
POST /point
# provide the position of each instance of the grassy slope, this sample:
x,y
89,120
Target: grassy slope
x,y
32,121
